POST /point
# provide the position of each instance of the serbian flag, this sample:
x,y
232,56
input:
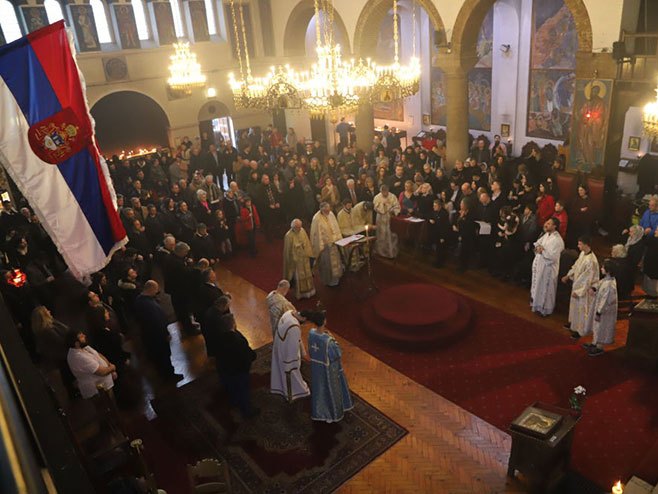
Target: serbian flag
x,y
47,145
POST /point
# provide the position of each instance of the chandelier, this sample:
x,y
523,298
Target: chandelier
x,y
650,117
185,71
333,86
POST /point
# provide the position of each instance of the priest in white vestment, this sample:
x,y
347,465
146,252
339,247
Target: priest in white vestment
x,y
603,317
287,351
546,268
277,303
386,205
324,232
584,274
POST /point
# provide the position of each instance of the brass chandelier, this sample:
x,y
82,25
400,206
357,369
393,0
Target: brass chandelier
x,y
650,118
333,86
185,71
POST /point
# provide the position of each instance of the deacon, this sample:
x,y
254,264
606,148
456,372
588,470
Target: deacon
x,y
545,269
386,205
297,255
287,351
324,232
584,273
603,317
330,396
277,303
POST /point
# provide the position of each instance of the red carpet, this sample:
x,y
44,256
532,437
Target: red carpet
x,y
503,364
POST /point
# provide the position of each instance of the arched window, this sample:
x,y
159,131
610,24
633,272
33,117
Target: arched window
x,y
8,21
100,17
210,15
178,20
140,19
53,10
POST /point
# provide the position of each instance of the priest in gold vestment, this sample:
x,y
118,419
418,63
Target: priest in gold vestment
x,y
297,255
324,232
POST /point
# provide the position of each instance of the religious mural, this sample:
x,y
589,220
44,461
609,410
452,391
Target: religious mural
x,y
393,110
164,20
550,104
479,78
552,70
246,13
438,97
484,48
34,17
590,123
85,27
127,26
479,99
385,40
199,20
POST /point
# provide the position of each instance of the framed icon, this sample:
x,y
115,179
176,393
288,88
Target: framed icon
x,y
426,120
634,143
504,130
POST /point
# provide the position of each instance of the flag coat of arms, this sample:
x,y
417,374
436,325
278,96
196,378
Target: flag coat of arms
x,y
47,146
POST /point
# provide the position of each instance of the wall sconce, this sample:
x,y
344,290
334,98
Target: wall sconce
x,y
211,92
505,48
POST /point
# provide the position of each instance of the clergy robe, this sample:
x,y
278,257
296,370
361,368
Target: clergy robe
x,y
584,273
545,269
386,244
361,217
330,396
277,305
297,255
287,350
605,306
324,232
350,224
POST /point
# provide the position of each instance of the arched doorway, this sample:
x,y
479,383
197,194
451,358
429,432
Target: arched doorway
x,y
128,120
216,123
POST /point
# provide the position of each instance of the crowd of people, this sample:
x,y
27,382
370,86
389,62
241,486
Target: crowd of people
x,y
186,208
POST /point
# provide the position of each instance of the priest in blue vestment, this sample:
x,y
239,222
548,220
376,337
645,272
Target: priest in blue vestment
x,y
330,396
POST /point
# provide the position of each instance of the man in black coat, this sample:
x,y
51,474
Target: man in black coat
x,y
178,284
213,162
234,357
487,213
153,322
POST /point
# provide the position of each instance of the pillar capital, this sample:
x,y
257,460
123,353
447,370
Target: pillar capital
x,y
452,64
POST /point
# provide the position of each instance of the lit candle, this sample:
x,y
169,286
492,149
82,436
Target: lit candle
x,y
618,488
367,226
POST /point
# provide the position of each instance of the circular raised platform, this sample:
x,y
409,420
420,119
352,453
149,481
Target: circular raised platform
x,y
416,316
415,304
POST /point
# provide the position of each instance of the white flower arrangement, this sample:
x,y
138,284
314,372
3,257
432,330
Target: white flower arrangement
x,y
579,390
578,398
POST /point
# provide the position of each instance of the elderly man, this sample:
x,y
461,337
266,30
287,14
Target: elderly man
x,y
287,352
213,193
350,224
545,268
153,322
297,253
351,192
324,233
386,205
277,303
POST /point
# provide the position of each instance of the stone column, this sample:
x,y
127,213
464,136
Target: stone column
x,y
365,126
457,124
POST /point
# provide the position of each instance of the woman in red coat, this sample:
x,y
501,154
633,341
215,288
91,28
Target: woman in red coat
x,y
545,205
250,222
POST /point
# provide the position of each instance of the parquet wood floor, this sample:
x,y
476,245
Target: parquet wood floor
x,y
447,450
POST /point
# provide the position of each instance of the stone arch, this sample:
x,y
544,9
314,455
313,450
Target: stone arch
x,y
370,21
128,120
213,109
473,12
294,43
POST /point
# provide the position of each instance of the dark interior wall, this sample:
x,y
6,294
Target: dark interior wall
x,y
128,120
